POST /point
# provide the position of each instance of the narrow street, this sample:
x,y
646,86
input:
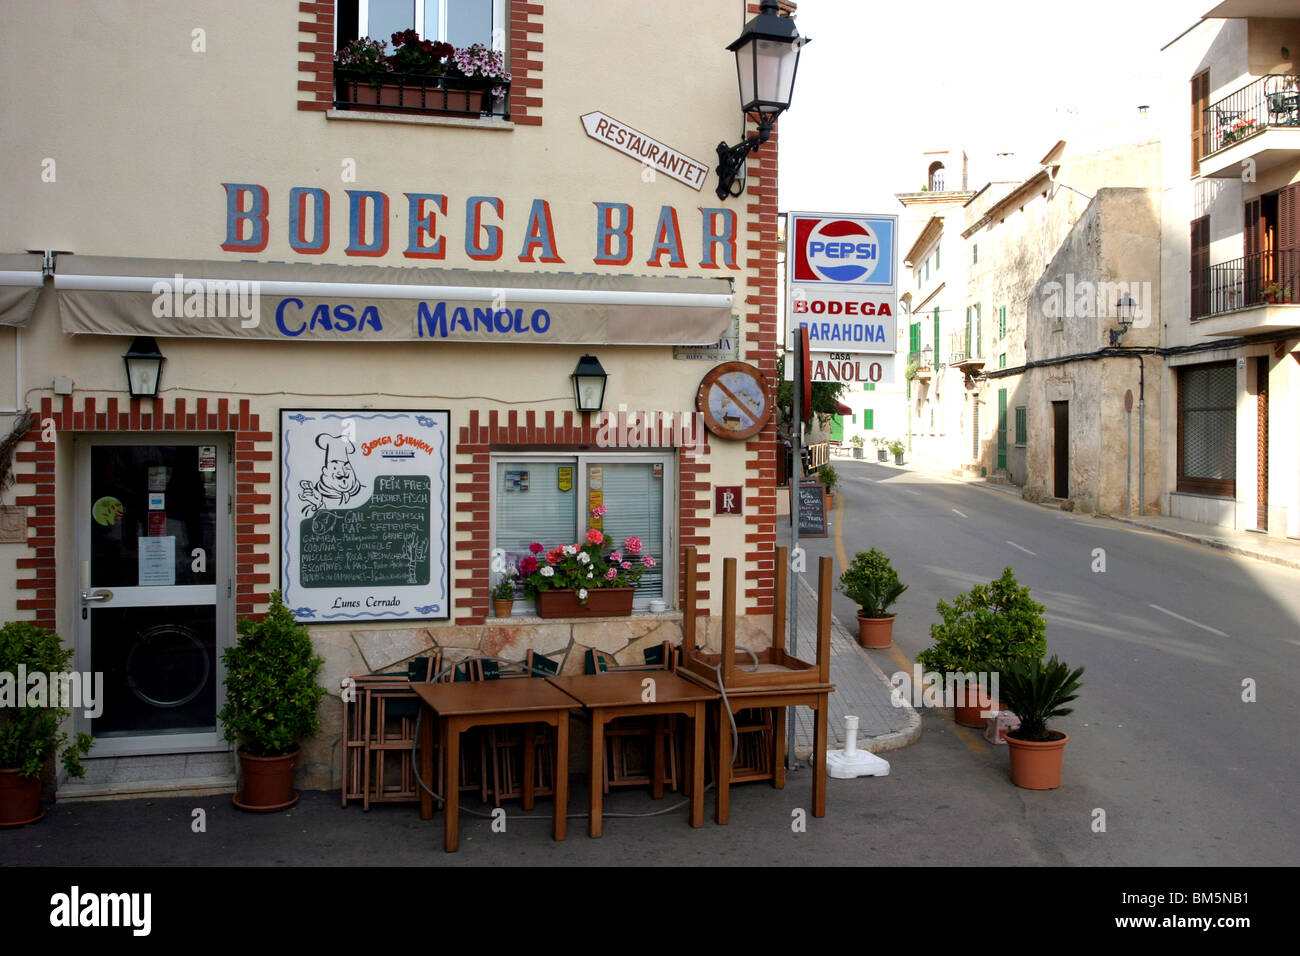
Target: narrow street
x,y
1161,740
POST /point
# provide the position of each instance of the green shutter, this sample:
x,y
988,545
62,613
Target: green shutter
x,y
868,386
1002,360
936,258
915,337
936,337
1002,322
837,428
979,331
1022,425
1002,428
968,331
868,419
974,253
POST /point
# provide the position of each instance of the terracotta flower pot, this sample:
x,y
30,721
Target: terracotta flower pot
x,y
267,782
501,607
1036,765
20,799
967,707
601,602
876,631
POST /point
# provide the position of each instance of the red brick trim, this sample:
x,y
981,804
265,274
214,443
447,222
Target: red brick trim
x,y
251,510
759,330
524,49
558,431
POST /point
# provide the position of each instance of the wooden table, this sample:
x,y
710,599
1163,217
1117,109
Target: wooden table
x,y
815,696
608,696
460,706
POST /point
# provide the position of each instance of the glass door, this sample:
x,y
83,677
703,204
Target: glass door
x,y
153,588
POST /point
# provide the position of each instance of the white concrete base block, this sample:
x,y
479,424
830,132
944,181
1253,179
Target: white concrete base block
x,y
860,763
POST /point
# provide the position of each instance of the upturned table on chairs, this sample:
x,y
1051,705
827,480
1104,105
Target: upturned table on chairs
x,y
460,706
609,696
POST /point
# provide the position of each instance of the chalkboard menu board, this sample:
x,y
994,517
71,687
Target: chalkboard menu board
x,y
812,510
364,509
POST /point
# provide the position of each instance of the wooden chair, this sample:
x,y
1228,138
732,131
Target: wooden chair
x,y
629,740
502,748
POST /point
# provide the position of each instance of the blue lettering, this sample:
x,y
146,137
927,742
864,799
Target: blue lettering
x,y
537,321
321,316
519,320
460,319
483,320
344,317
279,317
497,319
423,318
370,317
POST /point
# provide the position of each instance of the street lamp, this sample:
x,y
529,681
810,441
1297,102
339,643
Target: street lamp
x,y
143,367
767,58
589,384
1124,309
927,355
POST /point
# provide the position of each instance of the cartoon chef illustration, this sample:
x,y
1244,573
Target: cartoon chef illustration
x,y
338,483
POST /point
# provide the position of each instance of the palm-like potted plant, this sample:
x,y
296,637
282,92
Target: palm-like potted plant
x,y
30,735
272,702
1036,692
897,447
857,441
989,627
882,448
871,582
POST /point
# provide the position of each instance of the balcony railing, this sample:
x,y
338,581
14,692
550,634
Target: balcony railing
x,y
434,95
1270,101
1245,282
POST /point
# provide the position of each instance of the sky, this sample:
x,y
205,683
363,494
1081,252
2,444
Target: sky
x,y
882,82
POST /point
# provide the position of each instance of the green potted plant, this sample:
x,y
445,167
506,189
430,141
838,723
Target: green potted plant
x,y
829,478
503,594
987,628
882,448
1273,293
897,447
272,703
1036,692
30,735
871,582
857,441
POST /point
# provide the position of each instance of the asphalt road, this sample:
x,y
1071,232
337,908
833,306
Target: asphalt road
x,y
1185,771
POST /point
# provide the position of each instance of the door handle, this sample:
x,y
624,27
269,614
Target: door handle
x,y
94,597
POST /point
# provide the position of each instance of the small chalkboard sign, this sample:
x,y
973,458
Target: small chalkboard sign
x,y
812,510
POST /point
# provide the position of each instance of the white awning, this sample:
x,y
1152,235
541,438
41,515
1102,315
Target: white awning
x,y
319,302
20,285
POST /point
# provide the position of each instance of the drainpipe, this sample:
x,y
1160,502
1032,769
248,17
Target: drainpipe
x,y
1142,435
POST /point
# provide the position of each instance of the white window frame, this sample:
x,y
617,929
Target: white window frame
x,y
499,22
580,460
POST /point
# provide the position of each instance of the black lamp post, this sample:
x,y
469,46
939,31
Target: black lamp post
x,y
767,58
1124,309
143,367
589,384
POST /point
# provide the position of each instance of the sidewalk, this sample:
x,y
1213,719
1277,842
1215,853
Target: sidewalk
x,y
1250,544
861,690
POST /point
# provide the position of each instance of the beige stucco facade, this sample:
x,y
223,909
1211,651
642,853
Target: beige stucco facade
x,y
123,151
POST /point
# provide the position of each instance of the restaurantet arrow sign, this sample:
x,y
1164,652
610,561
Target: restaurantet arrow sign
x,y
643,149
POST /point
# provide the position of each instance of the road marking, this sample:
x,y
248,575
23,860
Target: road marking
x,y
840,554
1188,620
956,512
1026,550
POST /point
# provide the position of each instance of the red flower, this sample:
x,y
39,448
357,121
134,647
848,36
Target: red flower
x,y
595,537
536,548
528,565
553,556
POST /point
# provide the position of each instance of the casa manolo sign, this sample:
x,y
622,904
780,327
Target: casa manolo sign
x,y
848,367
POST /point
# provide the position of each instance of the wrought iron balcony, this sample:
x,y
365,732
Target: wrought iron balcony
x,y
1262,278
1269,103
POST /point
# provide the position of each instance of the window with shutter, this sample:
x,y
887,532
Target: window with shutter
x,y
1288,241
1200,122
1200,267
1207,429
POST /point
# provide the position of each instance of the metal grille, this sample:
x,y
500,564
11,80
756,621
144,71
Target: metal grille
x,y
1209,425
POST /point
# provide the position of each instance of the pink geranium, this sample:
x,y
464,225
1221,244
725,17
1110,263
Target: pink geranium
x,y
648,561
528,565
611,574
595,537
616,557
598,511
632,545
627,565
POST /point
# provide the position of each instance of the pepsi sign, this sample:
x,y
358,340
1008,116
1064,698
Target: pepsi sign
x,y
850,250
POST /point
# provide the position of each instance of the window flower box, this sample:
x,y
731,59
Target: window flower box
x,y
601,602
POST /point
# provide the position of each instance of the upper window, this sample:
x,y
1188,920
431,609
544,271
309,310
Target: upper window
x,y
1200,123
461,23
548,499
936,177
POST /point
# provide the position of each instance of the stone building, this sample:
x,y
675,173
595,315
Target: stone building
x,y
1231,248
337,276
